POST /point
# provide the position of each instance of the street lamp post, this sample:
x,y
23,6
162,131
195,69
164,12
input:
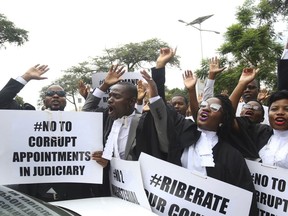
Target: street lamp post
x,y
198,21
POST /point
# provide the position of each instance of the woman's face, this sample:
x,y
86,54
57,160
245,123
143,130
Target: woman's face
x,y
253,111
210,114
278,114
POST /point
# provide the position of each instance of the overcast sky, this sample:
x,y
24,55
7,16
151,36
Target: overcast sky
x,y
63,33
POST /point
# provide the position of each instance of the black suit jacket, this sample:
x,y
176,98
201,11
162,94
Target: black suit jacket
x,y
282,73
8,93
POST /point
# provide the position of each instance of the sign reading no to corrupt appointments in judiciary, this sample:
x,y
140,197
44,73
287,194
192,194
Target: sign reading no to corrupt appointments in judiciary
x,y
271,188
45,146
174,190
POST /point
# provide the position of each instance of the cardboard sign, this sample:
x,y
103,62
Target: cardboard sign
x,y
271,188
45,146
126,182
173,190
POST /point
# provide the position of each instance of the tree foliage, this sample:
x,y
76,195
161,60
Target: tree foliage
x,y
9,33
133,55
253,40
176,91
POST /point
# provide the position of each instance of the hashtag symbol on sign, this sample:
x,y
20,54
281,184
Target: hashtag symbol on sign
x,y
38,126
155,180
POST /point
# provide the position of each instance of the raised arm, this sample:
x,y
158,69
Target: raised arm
x,y
13,87
158,72
158,111
190,82
214,69
247,76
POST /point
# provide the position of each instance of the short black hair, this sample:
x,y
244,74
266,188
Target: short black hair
x,y
180,95
278,95
131,88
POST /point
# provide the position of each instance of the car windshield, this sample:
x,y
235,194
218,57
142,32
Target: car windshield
x,y
18,204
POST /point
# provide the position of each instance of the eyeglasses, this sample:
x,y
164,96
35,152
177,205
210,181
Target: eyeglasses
x,y
213,107
249,106
59,93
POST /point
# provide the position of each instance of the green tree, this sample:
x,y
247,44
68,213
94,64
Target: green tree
x,y
133,55
176,91
11,34
253,41
19,100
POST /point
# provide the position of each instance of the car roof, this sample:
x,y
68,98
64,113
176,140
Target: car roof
x,y
105,205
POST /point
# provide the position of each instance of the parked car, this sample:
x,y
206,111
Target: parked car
x,y
14,203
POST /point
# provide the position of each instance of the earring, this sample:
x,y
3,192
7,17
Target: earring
x,y
220,124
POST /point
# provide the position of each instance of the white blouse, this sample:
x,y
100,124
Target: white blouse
x,y
198,157
275,152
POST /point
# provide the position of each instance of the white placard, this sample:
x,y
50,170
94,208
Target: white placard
x,y
45,146
271,188
173,190
126,182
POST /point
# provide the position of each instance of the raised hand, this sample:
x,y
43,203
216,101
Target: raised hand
x,y
141,89
189,79
35,73
214,68
166,54
83,89
248,75
151,84
113,76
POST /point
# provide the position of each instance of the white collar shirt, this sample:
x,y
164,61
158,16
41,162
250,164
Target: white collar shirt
x,y
198,157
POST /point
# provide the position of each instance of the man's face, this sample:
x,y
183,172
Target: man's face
x,y
55,98
251,92
179,104
120,102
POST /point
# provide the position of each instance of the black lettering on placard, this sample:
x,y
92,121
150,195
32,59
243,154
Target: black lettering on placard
x,y
124,194
261,212
51,156
52,141
156,201
65,126
175,210
133,81
48,125
279,183
195,195
58,170
260,179
24,171
118,176
272,201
